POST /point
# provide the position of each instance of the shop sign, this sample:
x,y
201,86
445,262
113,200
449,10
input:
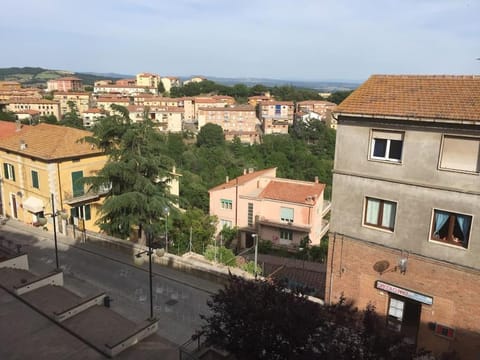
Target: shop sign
x,y
404,292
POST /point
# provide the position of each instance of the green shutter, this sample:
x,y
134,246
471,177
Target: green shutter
x,y
87,212
77,184
5,170
35,179
73,212
13,172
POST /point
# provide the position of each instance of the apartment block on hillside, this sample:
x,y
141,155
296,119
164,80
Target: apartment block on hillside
x,y
405,231
283,211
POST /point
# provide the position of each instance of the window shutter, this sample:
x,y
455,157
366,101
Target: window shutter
x,y
87,212
376,134
13,172
460,153
5,170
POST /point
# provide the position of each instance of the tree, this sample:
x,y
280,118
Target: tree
x,y
137,172
161,87
338,96
210,135
72,118
7,116
260,320
49,119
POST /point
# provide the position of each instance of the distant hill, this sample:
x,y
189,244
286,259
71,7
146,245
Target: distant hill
x,y
36,76
321,86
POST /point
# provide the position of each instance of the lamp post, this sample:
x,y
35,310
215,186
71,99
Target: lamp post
x,y
54,230
255,236
149,236
166,210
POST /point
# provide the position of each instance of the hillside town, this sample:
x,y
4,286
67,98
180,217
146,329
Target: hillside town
x,y
400,228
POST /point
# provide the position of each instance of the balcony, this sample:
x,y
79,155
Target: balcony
x,y
284,225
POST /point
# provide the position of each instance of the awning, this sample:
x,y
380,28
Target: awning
x,y
33,204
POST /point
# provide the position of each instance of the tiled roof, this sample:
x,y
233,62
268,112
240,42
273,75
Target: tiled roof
x,y
416,97
241,179
49,142
295,192
273,102
7,128
31,101
232,108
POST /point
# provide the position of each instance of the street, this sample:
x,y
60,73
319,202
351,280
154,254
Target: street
x,y
178,298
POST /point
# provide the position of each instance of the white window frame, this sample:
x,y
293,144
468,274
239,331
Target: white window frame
x,y
443,161
388,136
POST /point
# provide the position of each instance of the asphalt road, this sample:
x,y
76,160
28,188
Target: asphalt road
x,y
178,298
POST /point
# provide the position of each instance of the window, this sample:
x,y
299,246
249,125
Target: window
x,y
225,223
380,213
386,145
226,204
451,228
9,171
286,214
77,184
81,212
35,183
250,214
460,153
286,235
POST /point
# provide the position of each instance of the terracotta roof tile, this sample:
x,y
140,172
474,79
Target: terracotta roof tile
x,y
295,192
451,98
49,142
8,128
241,179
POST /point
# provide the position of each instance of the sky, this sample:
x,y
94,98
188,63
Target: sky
x,y
314,40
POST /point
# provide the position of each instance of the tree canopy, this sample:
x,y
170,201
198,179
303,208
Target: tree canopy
x,y
261,320
137,172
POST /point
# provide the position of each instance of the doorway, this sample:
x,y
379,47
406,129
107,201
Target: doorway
x,y
14,206
404,316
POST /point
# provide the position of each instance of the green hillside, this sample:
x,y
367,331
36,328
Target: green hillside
x,y
36,76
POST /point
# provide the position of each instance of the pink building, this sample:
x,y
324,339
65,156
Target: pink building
x,y
69,83
283,211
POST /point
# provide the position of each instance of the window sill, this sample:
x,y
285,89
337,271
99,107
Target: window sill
x,y
449,244
459,171
378,228
386,161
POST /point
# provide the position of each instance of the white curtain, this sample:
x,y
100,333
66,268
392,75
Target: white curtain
x,y
373,207
388,218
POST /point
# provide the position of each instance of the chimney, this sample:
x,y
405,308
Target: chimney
x,y
23,145
227,179
316,179
250,170
18,125
244,171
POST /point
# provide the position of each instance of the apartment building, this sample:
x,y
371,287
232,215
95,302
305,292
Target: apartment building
x,y
44,160
277,110
10,85
69,83
257,99
316,106
170,81
166,119
15,94
148,80
82,100
236,121
158,101
405,231
282,211
91,116
44,106
125,90
105,103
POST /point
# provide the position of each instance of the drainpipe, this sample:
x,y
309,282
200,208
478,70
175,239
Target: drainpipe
x,y
331,269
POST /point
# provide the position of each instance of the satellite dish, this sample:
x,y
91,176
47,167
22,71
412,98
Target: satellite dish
x,y
381,266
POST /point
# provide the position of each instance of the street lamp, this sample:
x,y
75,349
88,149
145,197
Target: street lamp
x,y
54,231
255,236
166,210
149,235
